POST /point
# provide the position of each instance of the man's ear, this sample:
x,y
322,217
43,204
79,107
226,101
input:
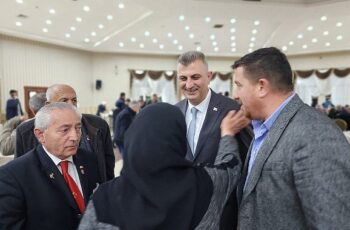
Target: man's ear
x,y
210,75
39,135
264,87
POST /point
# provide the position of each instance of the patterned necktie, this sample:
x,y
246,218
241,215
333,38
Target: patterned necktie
x,y
78,197
192,129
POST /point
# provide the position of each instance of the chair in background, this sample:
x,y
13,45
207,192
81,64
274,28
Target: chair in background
x,y
341,124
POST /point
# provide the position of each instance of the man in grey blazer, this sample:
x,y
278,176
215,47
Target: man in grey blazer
x,y
211,108
297,173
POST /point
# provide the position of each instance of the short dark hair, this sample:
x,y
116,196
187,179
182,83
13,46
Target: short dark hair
x,y
190,57
122,94
12,91
270,63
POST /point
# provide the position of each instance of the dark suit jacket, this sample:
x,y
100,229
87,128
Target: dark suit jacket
x,y
208,145
123,121
34,195
12,108
99,137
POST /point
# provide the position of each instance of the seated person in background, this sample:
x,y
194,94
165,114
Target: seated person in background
x,y
158,188
8,134
34,190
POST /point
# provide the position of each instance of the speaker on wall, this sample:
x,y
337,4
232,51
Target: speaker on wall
x,y
98,84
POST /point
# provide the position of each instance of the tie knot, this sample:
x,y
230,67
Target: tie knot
x,y
194,111
64,166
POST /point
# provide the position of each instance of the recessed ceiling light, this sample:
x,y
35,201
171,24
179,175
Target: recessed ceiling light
x,y
52,11
170,35
101,26
214,43
175,42
339,24
161,46
147,33
251,45
121,6
187,28
198,48
257,22
106,38
339,37
133,39
250,50
45,30
121,44
232,30
72,28
233,49
181,17
314,40
18,23
93,33
48,22
284,48
325,33
216,49
141,45
252,39
110,17
324,18
180,47
309,28
327,44
87,40
255,31
86,8
191,36
304,46
291,43
233,20
19,1
155,40
67,35
78,19
233,44
208,19
212,37
300,36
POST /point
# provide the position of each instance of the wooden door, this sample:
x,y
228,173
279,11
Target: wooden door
x,y
28,92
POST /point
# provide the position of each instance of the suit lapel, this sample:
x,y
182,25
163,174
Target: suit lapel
x,y
244,175
54,176
270,142
80,161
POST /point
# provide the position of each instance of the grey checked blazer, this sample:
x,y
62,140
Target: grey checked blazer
x,y
301,176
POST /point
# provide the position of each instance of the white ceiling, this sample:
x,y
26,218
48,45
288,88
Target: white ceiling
x,y
149,23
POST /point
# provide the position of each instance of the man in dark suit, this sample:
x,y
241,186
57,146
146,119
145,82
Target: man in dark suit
x,y
211,108
13,105
96,137
49,186
297,173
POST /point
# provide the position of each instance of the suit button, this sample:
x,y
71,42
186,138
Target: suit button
x,y
79,216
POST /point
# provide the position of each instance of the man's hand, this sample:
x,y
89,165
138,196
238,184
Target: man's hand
x,y
233,123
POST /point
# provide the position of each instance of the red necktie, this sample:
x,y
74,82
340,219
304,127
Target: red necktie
x,y
73,186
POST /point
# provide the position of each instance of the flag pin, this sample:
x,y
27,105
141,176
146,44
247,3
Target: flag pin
x,y
82,169
52,176
215,109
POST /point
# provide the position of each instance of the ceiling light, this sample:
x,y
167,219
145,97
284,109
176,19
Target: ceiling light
x,y
216,49
325,33
170,35
191,36
121,6
309,28
339,24
233,44
155,40
254,31
175,42
314,40
214,43
147,33
339,37
291,43
250,50
251,45
327,44
133,39
101,26
233,38
232,30
208,19
109,17
257,22
324,18
212,37
161,46
48,22
87,40
187,28
300,36
18,23
284,48
19,1
198,48
52,11
45,30
78,19
233,20
86,8
142,45
304,46
252,39
180,47
93,33
233,49
121,44
72,28
67,35
106,38
181,17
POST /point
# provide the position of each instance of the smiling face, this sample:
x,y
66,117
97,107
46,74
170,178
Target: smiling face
x,y
194,81
62,136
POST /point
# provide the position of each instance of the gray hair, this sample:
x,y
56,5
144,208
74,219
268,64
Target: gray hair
x,y
37,101
43,117
190,57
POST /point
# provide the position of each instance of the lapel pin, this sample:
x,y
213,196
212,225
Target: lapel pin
x,y
215,109
52,176
82,169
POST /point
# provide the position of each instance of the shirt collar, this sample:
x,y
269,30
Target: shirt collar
x,y
203,106
57,160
